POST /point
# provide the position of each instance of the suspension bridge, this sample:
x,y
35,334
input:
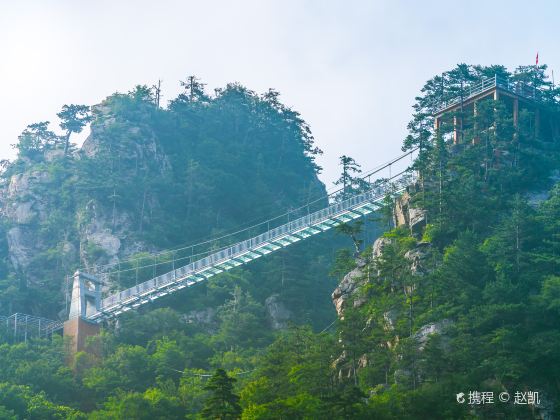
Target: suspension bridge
x,y
93,308
89,309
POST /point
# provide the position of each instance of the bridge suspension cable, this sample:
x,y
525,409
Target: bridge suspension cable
x,y
245,251
108,269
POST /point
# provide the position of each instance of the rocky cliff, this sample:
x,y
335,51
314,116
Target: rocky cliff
x,y
148,179
352,291
99,231
404,215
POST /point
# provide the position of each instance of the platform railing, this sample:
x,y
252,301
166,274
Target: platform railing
x,y
516,87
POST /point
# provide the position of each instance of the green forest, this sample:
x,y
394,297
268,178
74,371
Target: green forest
x,y
464,299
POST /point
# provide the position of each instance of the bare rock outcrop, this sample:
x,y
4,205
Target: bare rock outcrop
x,y
137,143
278,313
22,205
348,288
378,245
405,214
418,258
19,247
205,318
434,328
111,228
110,231
105,232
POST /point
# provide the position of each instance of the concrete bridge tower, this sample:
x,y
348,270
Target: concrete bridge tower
x,y
85,301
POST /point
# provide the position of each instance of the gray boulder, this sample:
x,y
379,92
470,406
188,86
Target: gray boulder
x,y
278,313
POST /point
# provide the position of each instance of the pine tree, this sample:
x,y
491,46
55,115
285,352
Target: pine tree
x,y
222,403
353,230
73,119
194,89
35,139
351,184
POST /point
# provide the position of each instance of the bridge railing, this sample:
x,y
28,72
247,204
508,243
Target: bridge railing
x,y
395,184
517,87
20,327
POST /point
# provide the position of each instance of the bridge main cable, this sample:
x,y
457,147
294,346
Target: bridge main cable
x,y
367,176
255,247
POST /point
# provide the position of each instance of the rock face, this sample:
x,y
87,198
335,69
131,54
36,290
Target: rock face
x,y
204,317
378,245
105,232
143,151
428,330
23,205
348,288
406,215
110,229
108,232
19,242
390,319
278,313
418,257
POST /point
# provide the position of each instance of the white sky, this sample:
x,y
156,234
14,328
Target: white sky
x,y
352,68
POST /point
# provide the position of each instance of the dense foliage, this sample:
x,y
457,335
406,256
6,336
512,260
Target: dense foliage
x,y
206,170
481,270
150,178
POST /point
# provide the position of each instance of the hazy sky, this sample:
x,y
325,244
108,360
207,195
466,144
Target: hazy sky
x,y
352,68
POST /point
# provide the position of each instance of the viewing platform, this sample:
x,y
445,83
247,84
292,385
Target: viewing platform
x,y
491,86
458,115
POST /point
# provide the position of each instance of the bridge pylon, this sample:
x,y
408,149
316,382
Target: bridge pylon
x,y
85,300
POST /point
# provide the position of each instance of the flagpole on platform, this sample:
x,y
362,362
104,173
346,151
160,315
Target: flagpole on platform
x,y
536,70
